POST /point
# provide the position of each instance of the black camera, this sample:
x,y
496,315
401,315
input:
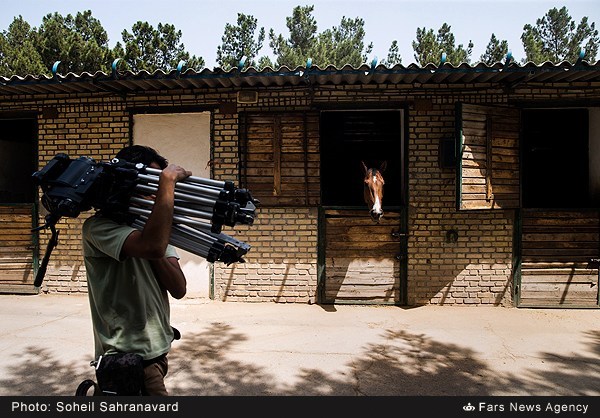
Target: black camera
x,y
67,185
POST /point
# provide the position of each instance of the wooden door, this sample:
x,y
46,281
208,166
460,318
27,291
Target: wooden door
x,y
18,194
559,257
17,247
363,262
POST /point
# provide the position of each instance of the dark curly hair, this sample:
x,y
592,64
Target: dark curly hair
x,y
142,154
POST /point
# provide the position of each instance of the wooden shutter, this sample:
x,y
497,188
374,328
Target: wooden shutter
x,y
280,157
488,159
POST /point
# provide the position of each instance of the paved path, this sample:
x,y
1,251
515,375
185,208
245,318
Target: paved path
x,y
261,349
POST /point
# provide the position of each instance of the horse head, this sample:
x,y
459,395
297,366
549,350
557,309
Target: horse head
x,y
373,189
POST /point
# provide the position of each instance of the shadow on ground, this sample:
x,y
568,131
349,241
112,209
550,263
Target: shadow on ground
x,y
405,364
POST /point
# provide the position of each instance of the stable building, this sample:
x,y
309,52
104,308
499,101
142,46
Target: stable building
x,y
492,180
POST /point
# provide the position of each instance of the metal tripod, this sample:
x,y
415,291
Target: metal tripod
x,y
202,207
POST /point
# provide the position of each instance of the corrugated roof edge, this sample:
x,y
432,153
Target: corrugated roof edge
x,y
129,81
313,69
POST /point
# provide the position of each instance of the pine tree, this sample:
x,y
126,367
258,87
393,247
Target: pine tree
x,y
18,52
393,56
151,49
239,41
556,37
338,46
79,42
495,52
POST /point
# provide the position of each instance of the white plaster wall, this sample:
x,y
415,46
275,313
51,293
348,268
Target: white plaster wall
x,y
184,139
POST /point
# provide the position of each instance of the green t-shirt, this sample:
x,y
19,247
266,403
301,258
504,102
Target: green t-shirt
x,y
130,312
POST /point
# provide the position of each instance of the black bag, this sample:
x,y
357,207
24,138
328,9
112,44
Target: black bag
x,y
120,374
84,387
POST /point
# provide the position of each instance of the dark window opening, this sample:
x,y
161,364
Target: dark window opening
x,y
17,160
556,158
349,137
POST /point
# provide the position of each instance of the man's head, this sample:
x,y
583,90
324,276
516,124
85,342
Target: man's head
x,y
142,154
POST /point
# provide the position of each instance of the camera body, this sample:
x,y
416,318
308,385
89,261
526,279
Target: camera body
x,y
73,186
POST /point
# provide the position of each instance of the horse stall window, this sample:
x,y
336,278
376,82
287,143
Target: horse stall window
x,y
349,137
488,164
559,247
556,159
17,160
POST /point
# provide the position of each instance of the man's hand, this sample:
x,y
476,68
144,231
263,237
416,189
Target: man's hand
x,y
151,242
175,173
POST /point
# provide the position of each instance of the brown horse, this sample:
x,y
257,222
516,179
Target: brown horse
x,y
373,189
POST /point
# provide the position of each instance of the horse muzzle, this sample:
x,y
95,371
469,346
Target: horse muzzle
x,y
376,215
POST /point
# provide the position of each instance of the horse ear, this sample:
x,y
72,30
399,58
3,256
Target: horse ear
x,y
383,166
364,167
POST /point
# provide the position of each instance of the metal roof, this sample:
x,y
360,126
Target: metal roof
x,y
124,82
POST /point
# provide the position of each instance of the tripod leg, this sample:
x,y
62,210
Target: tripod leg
x,y
39,277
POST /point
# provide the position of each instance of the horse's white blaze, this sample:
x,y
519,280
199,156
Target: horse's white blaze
x,y
377,205
373,191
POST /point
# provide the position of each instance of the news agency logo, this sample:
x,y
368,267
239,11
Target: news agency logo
x,y
468,407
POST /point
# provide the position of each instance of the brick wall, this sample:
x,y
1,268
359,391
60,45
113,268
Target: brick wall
x,y
282,264
92,127
476,268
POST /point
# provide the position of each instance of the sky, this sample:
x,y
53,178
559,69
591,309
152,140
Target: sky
x,y
202,22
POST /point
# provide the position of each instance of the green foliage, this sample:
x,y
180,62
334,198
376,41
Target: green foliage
x,y
393,56
347,43
429,47
556,38
80,42
426,47
240,41
141,47
495,52
264,62
152,49
18,53
301,43
338,46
